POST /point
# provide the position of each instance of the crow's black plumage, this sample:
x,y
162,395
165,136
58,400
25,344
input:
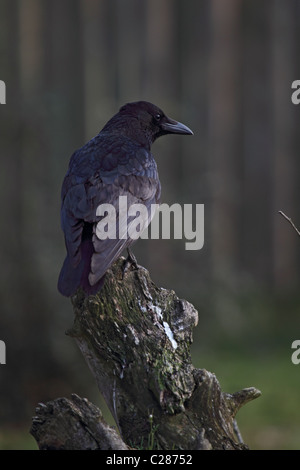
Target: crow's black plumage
x,y
117,162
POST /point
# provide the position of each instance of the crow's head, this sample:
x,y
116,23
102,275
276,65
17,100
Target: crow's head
x,y
145,122
153,120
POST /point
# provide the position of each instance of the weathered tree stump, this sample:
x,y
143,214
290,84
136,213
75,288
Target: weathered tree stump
x,y
136,340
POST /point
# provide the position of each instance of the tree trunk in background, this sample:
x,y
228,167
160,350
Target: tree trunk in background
x,y
223,159
99,43
93,38
257,146
285,155
11,206
158,64
11,162
160,52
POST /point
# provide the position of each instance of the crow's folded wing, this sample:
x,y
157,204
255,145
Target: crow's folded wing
x,y
134,176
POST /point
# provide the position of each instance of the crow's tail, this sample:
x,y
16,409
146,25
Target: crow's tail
x,y
71,278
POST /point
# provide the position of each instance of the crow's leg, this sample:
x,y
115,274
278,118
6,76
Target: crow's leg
x,y
130,261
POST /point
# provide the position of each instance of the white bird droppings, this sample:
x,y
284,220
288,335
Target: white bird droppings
x,y
169,334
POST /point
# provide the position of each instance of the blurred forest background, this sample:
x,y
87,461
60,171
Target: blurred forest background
x,y
225,69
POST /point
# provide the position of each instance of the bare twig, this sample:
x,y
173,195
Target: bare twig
x,y
290,221
237,432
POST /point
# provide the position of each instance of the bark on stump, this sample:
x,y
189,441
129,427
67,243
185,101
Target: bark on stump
x,y
136,340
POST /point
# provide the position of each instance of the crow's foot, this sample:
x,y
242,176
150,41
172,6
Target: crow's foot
x,y
130,261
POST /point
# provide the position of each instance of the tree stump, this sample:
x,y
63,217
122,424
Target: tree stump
x,y
136,340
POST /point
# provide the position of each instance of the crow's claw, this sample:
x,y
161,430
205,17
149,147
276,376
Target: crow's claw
x,y
130,261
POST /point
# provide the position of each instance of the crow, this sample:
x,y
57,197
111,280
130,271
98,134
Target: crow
x,y
116,162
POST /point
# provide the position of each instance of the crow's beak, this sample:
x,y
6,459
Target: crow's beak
x,y
173,127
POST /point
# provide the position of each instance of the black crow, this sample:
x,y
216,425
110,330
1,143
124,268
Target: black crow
x,y
117,162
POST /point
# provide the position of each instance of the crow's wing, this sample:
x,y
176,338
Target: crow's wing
x,y
138,190
95,179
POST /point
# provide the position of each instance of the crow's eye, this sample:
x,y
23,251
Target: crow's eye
x,y
157,117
